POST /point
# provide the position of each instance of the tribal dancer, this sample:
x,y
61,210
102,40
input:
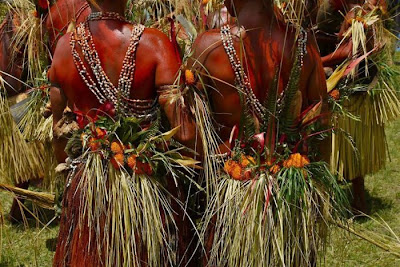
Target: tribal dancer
x,y
23,55
20,161
267,93
364,47
116,211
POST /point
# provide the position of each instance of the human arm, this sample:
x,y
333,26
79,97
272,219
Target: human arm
x,y
198,66
168,85
58,102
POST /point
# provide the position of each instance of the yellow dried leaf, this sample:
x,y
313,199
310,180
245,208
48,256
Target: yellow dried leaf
x,y
336,77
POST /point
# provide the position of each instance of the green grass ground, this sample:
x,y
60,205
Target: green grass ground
x,y
29,245
384,200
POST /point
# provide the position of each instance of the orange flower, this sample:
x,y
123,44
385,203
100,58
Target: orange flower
x,y
117,148
117,161
275,169
205,2
132,161
94,144
335,94
100,133
297,161
189,77
246,161
228,166
236,173
288,163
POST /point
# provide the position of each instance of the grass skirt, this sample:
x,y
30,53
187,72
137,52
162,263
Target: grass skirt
x,y
359,148
20,161
271,221
38,131
111,218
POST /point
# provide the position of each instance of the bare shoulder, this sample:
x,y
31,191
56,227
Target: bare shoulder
x,y
63,45
208,39
206,43
155,37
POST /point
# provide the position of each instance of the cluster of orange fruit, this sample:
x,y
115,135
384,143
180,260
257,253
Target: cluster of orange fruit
x,y
239,170
335,94
94,141
118,158
296,161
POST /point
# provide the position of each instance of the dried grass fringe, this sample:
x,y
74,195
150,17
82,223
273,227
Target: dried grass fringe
x,y
362,150
124,207
38,131
19,161
250,233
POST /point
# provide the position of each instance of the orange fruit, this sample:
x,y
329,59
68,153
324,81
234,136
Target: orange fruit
x,y
296,160
236,173
275,169
246,161
101,133
117,148
132,161
228,166
94,144
117,161
189,77
335,94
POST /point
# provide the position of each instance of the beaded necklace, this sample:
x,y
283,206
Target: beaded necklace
x,y
100,85
242,81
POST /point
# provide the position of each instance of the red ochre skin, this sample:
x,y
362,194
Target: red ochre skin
x,y
269,46
156,65
56,24
59,17
265,53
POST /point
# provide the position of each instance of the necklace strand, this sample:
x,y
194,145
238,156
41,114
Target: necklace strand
x,y
101,86
241,79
